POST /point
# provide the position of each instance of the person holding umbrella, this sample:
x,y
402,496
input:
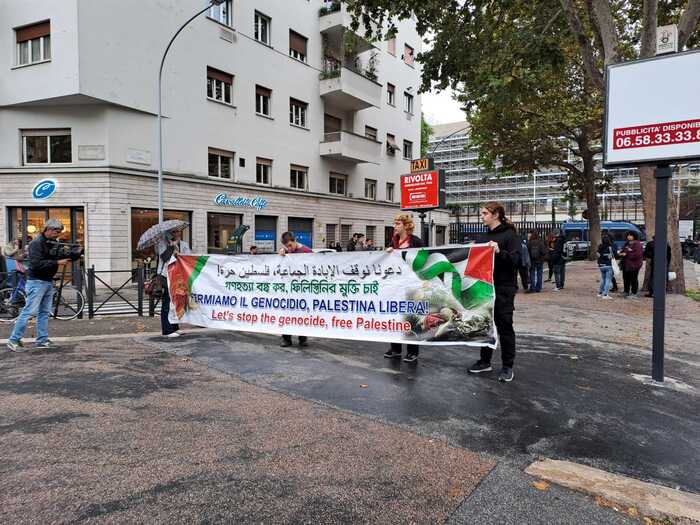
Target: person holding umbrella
x,y
167,239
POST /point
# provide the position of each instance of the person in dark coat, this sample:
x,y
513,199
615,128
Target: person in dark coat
x,y
524,265
538,255
558,258
290,245
606,254
504,239
402,239
632,256
649,254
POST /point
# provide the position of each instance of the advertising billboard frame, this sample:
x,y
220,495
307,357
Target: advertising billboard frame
x,y
670,159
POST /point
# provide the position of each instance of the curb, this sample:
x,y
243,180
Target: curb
x,y
651,500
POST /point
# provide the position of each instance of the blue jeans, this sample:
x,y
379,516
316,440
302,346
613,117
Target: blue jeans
x,y
559,275
536,276
606,273
39,303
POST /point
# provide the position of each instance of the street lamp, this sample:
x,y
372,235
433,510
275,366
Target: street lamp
x,y
160,102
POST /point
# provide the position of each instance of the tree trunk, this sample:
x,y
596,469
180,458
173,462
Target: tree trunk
x,y
592,206
647,183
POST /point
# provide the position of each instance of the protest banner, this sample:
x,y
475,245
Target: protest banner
x,y
431,296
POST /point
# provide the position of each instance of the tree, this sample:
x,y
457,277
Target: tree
x,y
531,76
425,132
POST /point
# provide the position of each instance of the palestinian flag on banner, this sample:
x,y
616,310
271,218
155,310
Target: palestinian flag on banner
x,y
181,275
466,271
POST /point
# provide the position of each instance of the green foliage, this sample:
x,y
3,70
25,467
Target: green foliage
x,y
425,132
326,10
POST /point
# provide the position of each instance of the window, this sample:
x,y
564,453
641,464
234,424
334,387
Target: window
x,y
262,100
407,149
408,56
219,85
371,233
390,91
370,189
46,146
297,46
33,43
263,171
297,112
408,103
222,13
390,191
391,146
297,177
370,132
391,46
262,28
220,163
337,184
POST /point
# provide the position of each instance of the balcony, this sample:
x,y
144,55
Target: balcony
x,y
335,22
350,147
348,90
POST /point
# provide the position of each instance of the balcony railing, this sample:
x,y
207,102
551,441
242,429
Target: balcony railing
x,y
347,89
351,147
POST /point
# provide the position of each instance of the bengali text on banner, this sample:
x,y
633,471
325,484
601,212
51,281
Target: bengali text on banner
x,y
431,296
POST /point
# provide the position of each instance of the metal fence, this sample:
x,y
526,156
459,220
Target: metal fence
x,y
470,231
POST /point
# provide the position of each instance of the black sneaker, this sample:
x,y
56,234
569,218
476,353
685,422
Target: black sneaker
x,y
410,358
479,367
286,341
16,346
303,342
48,344
393,354
506,375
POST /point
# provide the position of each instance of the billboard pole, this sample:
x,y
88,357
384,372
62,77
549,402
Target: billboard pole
x,y
663,176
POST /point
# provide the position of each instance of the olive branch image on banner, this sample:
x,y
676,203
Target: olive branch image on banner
x,y
431,296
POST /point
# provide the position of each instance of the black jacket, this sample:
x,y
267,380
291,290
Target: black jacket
x,y
558,255
508,256
649,252
606,252
41,261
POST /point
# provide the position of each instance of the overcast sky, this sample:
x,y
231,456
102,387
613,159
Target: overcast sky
x,y
439,108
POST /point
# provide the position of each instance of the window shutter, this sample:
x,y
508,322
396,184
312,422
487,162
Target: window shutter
x,y
390,88
331,124
264,162
221,152
219,75
408,54
33,31
259,90
296,167
297,42
296,102
391,46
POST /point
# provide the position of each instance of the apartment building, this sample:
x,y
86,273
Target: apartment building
x,y
277,115
529,197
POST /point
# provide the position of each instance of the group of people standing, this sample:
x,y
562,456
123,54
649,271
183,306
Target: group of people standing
x,y
534,253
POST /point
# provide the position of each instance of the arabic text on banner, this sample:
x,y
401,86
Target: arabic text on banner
x,y
430,296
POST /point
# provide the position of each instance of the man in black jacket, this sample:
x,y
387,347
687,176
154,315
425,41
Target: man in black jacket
x,y
649,255
504,239
558,256
43,261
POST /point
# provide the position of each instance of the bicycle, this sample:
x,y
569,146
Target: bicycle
x,y
68,301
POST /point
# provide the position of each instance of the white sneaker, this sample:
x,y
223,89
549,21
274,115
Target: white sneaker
x,y
607,297
174,334
555,289
600,295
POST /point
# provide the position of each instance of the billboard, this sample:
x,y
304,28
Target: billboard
x,y
422,191
652,114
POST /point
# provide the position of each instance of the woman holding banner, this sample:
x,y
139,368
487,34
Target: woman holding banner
x,y
502,236
402,239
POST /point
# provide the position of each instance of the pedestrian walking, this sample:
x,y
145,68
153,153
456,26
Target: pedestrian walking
x,y
402,239
170,244
632,258
290,245
558,257
502,236
44,260
537,250
606,255
524,265
649,255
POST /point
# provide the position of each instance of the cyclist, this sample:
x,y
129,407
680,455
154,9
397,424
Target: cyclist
x,y
43,265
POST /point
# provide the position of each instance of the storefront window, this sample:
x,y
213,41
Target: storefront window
x,y
219,229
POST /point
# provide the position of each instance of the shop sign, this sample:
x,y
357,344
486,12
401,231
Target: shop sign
x,y
44,189
422,191
258,203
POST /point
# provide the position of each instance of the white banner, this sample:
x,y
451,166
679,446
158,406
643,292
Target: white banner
x,y
427,296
